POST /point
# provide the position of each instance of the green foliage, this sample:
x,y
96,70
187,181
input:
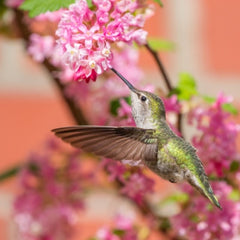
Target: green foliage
x,y
235,195
209,99
118,232
115,105
158,44
127,100
159,2
165,225
90,4
186,87
195,218
234,166
228,107
177,198
3,8
36,7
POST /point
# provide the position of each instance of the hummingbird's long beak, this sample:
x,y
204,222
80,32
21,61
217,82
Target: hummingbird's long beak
x,y
131,87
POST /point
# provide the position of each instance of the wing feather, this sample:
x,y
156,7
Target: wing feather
x,y
119,143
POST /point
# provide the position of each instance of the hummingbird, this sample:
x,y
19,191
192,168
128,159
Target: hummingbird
x,y
152,142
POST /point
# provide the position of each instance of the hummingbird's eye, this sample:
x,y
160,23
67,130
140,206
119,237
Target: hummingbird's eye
x,y
143,98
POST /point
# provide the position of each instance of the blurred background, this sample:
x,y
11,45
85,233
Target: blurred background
x,y
207,37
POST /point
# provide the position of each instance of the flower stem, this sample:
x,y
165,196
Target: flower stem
x,y
11,172
74,109
166,78
160,66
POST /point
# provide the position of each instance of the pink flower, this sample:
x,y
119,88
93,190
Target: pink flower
x,y
13,3
41,47
217,136
50,16
76,37
139,36
123,229
115,169
106,234
48,205
171,104
125,114
103,5
123,222
137,186
200,219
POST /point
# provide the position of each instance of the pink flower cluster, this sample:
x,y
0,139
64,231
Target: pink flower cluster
x,y
123,229
217,136
44,47
50,16
51,196
171,104
41,47
135,185
201,219
85,35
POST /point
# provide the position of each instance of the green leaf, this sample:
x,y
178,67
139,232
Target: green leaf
x,y
3,8
235,195
127,100
159,2
118,232
89,3
161,44
36,7
178,197
234,166
209,99
186,87
228,107
165,224
194,218
114,106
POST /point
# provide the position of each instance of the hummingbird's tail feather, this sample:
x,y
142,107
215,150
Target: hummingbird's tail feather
x,y
205,188
208,192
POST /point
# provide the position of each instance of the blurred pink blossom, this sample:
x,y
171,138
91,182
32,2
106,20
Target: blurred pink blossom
x,y
123,229
137,186
200,219
125,114
48,205
50,16
41,47
171,104
217,136
115,169
13,3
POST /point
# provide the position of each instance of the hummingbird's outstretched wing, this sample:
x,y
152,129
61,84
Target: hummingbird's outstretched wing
x,y
118,143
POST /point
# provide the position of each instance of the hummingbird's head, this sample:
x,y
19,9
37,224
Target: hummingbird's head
x,y
147,108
